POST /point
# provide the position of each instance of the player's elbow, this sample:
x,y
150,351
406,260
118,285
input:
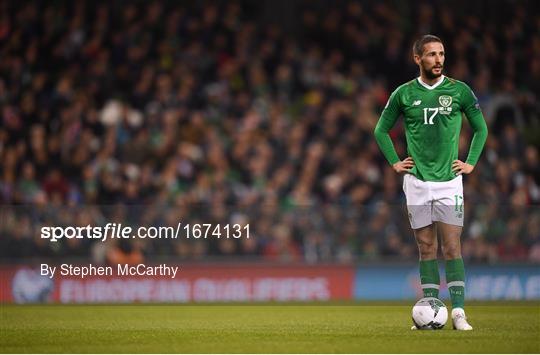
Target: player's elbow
x,y
482,134
379,131
481,129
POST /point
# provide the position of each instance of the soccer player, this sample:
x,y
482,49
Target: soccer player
x,y
432,107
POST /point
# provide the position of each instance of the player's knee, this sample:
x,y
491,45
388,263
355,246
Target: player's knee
x,y
451,251
427,249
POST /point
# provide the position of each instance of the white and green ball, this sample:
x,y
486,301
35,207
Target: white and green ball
x,y
429,313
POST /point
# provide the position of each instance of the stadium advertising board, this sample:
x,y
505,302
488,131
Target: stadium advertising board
x,y
219,283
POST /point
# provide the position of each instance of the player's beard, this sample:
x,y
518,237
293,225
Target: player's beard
x,y
430,74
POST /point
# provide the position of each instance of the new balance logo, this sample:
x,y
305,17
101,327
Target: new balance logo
x,y
417,102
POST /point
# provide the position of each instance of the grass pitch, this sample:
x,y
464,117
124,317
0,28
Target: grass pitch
x,y
262,328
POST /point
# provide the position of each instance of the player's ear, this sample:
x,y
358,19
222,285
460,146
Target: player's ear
x,y
416,58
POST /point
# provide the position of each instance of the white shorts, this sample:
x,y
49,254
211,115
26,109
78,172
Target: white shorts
x,y
429,201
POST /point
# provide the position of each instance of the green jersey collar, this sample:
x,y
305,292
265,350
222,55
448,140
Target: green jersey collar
x,y
430,87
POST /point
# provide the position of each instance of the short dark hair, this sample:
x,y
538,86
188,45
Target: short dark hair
x,y
418,46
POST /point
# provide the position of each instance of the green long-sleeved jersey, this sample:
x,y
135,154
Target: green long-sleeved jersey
x,y
432,117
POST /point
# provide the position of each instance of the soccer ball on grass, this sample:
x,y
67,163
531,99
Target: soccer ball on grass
x,y
429,313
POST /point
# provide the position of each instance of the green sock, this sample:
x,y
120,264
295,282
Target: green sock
x,y
455,278
429,277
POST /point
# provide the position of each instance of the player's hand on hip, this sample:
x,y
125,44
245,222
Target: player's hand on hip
x,y
459,167
404,166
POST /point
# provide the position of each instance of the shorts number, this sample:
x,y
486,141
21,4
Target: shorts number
x,y
459,203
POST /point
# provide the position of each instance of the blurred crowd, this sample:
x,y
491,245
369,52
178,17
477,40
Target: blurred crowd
x,y
158,112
